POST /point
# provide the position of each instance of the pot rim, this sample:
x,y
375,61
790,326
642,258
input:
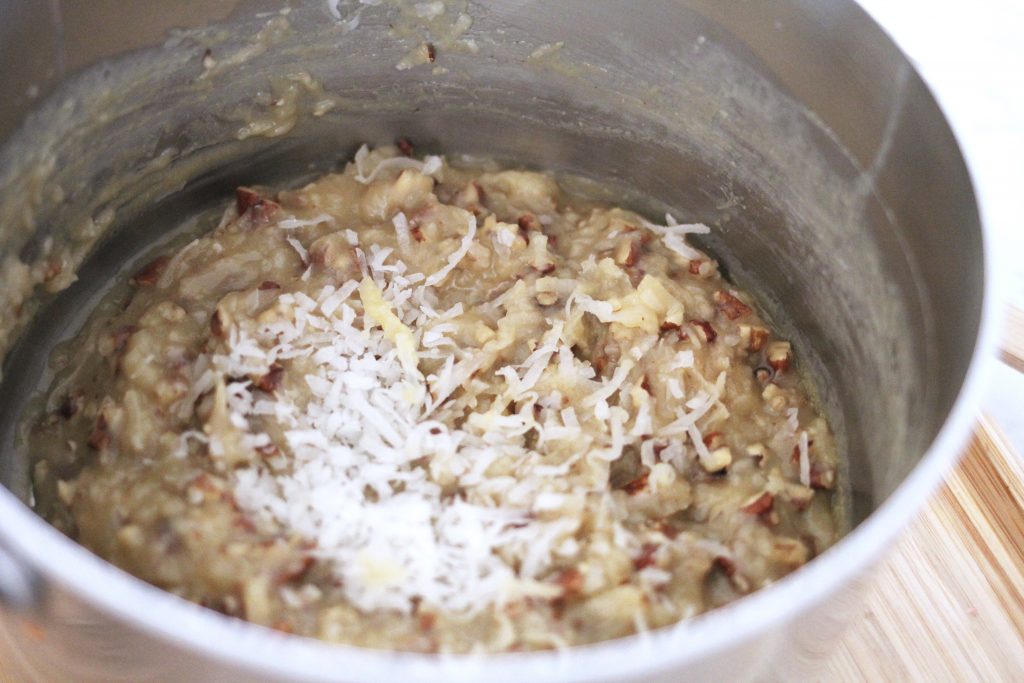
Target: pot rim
x,y
229,641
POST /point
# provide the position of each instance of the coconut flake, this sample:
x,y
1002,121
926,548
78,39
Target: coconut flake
x,y
401,224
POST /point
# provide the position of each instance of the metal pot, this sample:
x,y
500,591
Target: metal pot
x,y
796,128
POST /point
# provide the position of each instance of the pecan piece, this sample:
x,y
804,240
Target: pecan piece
x,y
637,485
754,337
707,333
760,504
528,223
256,208
702,268
627,252
571,581
822,477
646,557
714,440
150,272
779,355
730,305
218,326
294,569
100,437
270,381
728,568
405,146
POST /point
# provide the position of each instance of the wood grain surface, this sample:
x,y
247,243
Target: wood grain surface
x,y
947,604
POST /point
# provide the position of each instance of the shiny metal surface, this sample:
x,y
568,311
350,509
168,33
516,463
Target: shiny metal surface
x,y
796,129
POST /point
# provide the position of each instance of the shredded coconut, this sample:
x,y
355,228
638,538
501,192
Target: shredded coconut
x,y
431,165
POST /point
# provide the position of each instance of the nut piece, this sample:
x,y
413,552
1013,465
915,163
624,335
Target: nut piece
x,y
270,381
822,477
541,260
219,323
571,581
754,337
779,355
716,460
703,268
728,567
705,331
646,557
405,146
528,223
150,273
714,440
627,252
760,504
730,305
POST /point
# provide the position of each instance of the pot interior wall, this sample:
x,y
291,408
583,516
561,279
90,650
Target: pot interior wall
x,y
865,248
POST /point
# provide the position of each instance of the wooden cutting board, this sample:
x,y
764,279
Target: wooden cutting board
x,y
947,604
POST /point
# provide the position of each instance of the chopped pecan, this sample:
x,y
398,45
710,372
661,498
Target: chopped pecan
x,y
100,437
256,208
707,332
405,146
822,477
702,268
627,252
730,305
246,198
431,53
637,485
218,326
271,380
714,440
646,557
759,504
754,337
294,569
427,620
779,355
571,581
150,272
268,284
728,567
528,223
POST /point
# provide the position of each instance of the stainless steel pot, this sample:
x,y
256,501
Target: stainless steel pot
x,y
796,128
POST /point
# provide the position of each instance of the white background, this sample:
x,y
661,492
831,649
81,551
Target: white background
x,y
971,53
